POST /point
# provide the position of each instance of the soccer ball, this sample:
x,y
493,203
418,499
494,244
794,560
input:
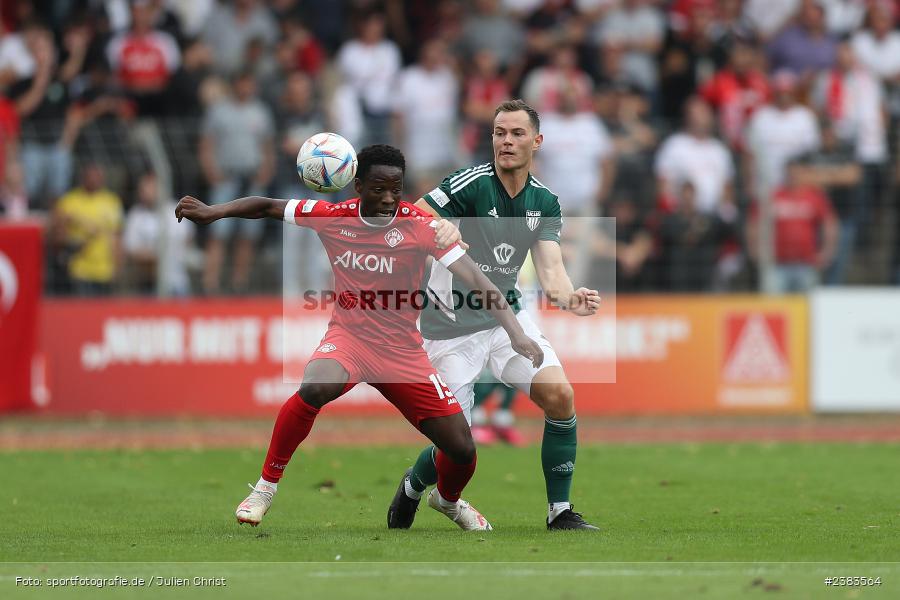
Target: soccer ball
x,y
326,162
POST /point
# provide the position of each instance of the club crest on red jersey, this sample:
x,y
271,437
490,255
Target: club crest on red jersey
x,y
393,237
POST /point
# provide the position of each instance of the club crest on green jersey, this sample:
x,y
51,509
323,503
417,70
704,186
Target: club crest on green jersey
x,y
532,219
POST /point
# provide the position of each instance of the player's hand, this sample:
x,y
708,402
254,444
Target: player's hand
x,y
194,210
528,348
584,302
446,234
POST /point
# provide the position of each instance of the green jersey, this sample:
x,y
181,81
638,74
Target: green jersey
x,y
499,230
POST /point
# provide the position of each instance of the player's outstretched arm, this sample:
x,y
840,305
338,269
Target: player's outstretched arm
x,y
445,233
555,282
251,207
493,300
423,205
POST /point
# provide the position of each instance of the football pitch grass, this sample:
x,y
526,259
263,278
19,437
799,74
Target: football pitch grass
x,y
679,521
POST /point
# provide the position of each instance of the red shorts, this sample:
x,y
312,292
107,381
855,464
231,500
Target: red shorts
x,y
403,375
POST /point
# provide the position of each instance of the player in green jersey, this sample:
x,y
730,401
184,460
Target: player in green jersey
x,y
515,214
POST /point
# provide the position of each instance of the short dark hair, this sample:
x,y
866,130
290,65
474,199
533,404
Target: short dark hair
x,y
517,105
378,154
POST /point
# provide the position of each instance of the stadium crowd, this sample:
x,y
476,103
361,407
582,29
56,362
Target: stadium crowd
x,y
675,117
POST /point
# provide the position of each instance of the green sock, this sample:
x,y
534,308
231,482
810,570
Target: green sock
x,y
484,389
558,457
509,394
424,472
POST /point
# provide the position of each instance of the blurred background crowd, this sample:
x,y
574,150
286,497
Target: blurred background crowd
x,y
702,126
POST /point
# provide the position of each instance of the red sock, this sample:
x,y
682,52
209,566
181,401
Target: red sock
x,y
452,478
294,421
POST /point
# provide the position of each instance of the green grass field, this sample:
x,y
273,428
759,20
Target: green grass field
x,y
680,520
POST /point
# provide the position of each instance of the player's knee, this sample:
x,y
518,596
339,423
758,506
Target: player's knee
x,y
462,450
557,399
318,395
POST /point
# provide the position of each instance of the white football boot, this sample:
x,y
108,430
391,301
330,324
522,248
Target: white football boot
x,y
254,507
462,513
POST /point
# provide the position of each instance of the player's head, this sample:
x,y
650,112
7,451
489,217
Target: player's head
x,y
516,135
379,181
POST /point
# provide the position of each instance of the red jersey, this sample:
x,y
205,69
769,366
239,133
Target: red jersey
x,y
799,215
378,270
9,131
144,62
735,98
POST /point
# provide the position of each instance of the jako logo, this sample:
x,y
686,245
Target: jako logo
x,y
503,253
9,283
365,262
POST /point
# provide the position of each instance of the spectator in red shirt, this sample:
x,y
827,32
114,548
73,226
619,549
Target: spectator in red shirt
x,y
483,90
309,56
736,91
806,232
144,60
9,134
543,87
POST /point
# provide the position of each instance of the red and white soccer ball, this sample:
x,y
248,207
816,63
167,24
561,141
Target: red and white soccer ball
x,y
326,162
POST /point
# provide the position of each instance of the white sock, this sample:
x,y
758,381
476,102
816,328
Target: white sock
x,y
262,483
503,418
410,491
479,417
556,508
445,503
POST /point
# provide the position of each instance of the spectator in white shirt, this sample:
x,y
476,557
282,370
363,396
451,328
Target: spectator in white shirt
x,y
426,116
844,16
778,132
369,64
576,162
16,61
768,17
576,157
878,48
850,97
146,230
636,27
237,156
487,27
695,156
230,26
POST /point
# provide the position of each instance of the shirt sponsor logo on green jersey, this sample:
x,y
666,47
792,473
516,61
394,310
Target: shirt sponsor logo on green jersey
x,y
503,253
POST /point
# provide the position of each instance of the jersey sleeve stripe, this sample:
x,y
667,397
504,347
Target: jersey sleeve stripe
x,y
468,172
466,182
454,254
538,184
290,210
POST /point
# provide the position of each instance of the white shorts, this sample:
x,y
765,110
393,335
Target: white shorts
x,y
461,360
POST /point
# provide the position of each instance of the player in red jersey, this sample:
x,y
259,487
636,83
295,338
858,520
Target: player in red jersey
x,y
377,245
